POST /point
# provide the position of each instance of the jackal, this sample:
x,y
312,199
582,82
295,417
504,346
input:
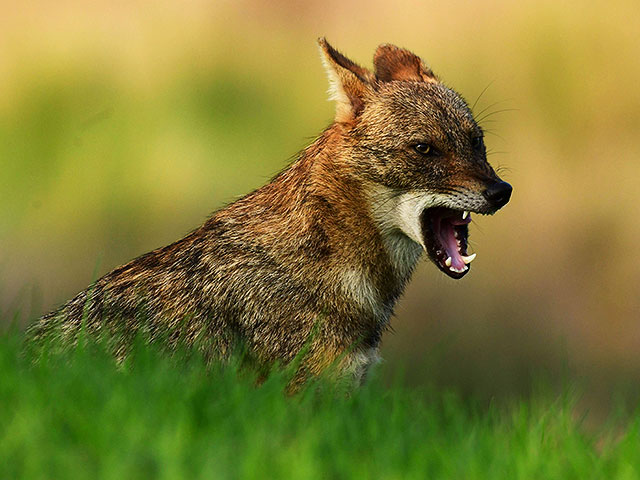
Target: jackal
x,y
329,244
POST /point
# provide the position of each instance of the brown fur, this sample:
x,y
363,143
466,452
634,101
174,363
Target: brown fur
x,y
322,247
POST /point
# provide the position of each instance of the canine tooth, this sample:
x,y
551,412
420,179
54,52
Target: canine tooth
x,y
468,259
465,214
447,262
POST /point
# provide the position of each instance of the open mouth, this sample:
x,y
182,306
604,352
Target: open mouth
x,y
445,235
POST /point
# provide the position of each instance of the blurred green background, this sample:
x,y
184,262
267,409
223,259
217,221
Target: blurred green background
x,y
123,125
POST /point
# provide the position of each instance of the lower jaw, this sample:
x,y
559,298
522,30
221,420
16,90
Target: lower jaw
x,y
438,256
453,274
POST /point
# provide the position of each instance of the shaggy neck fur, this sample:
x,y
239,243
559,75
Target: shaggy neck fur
x,y
337,222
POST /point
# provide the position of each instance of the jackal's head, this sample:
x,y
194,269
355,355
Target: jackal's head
x,y
417,143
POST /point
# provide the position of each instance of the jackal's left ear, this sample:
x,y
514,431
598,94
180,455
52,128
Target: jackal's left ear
x,y
350,83
394,63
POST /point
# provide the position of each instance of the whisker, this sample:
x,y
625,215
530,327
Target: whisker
x,y
503,169
481,93
490,132
482,119
490,106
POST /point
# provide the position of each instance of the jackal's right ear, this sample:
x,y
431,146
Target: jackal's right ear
x,y
349,83
395,63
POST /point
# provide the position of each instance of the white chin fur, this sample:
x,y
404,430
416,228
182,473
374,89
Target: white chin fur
x,y
404,211
409,209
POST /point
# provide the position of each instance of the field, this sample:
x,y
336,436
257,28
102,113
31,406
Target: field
x,y
79,415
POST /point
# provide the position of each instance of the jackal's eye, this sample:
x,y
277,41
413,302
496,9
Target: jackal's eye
x,y
477,142
423,148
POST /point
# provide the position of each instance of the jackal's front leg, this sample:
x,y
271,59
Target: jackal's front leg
x,y
347,366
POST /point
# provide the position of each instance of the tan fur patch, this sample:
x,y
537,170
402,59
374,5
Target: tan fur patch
x,y
357,284
359,363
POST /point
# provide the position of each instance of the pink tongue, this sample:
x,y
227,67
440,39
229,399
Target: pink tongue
x,y
450,244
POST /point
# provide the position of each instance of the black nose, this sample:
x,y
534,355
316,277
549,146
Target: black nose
x,y
498,194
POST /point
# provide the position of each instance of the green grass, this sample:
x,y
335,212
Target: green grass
x,y
79,415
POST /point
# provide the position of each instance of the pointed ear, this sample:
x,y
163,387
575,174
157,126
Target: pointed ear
x,y
349,83
394,63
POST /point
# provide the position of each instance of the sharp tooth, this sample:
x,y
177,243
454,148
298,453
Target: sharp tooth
x,y
459,270
465,214
447,262
468,259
